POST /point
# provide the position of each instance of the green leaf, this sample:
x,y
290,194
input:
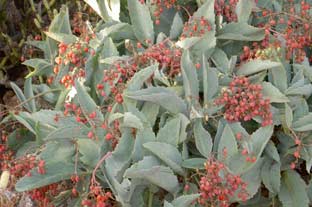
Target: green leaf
x,y
170,133
184,200
87,104
228,143
90,152
62,37
260,138
141,21
95,6
166,153
194,163
306,154
48,96
150,110
279,78
221,60
243,10
21,97
29,94
167,204
240,31
61,22
132,121
256,145
41,66
255,66
14,139
210,81
106,9
149,169
271,151
271,92
305,90
271,175
190,81
110,9
142,136
303,124
206,10
288,115
140,77
203,140
61,151
69,132
55,172
117,163
253,179
176,27
293,190
159,95
199,45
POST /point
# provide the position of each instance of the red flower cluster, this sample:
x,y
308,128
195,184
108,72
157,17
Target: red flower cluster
x,y
100,198
160,5
218,185
293,32
226,9
244,100
122,71
75,55
43,196
196,27
166,54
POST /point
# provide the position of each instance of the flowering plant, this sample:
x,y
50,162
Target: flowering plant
x,y
168,103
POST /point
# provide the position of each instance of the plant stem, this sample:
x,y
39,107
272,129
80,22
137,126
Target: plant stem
x,y
150,199
38,95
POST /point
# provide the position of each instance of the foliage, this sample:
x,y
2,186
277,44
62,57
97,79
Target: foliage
x,y
169,103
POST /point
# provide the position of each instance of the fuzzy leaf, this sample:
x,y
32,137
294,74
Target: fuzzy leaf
x,y
303,124
288,115
41,66
162,96
293,190
206,10
141,21
256,145
271,92
132,121
142,137
194,163
55,172
184,200
87,104
20,95
29,94
166,153
140,77
210,81
190,81
170,132
90,152
149,170
271,175
243,10
62,37
240,31
228,143
203,139
176,27
221,60
255,66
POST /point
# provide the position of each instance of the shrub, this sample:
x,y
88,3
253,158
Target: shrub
x,y
204,103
